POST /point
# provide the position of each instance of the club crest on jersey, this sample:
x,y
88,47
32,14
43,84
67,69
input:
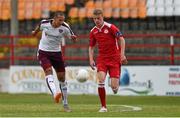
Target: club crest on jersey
x,y
60,30
106,31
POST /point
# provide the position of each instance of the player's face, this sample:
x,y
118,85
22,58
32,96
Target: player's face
x,y
58,20
98,20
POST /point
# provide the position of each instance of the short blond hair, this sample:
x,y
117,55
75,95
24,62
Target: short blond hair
x,y
97,12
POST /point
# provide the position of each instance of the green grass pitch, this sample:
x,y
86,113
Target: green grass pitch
x,y
42,105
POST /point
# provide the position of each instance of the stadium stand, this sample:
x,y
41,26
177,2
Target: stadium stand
x,y
149,10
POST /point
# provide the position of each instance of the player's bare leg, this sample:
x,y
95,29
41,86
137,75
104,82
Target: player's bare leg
x,y
101,90
115,85
63,88
51,85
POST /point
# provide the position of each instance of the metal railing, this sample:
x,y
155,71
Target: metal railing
x,y
171,57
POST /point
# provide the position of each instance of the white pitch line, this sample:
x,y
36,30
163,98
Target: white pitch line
x,y
134,108
131,108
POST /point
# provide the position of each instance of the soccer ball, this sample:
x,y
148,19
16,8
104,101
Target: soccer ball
x,y
82,75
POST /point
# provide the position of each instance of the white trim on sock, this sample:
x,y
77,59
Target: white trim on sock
x,y
101,85
51,84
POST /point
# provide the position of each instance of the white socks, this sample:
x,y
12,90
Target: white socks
x,y
52,88
63,87
51,85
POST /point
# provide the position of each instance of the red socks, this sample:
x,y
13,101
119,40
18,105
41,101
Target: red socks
x,y
102,94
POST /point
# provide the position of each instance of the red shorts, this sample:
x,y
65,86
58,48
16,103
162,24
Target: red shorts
x,y
48,59
112,67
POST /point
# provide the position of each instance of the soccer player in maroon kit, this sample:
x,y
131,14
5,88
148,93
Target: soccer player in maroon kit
x,y
50,56
111,47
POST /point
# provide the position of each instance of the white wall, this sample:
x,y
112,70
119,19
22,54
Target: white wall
x,y
4,77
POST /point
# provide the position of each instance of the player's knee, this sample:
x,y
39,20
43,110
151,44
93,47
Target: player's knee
x,y
101,77
114,83
61,76
115,89
114,86
101,81
48,71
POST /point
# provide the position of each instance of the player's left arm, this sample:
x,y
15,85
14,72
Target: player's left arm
x,y
121,42
70,34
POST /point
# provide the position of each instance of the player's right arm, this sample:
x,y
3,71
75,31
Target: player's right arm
x,y
91,57
69,33
92,43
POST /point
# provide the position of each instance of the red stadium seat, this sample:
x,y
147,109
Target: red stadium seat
x,y
37,13
21,9
90,4
108,12
123,4
45,9
124,13
99,4
69,2
115,3
89,12
29,9
133,12
116,13
0,10
6,10
53,5
21,4
107,4
82,12
73,13
142,12
21,14
141,3
6,14
132,3
61,6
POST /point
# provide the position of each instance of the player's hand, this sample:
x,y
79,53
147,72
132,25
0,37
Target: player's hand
x,y
92,64
33,33
74,38
124,60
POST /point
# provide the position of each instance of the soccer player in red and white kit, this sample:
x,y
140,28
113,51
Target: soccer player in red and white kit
x,y
111,47
50,53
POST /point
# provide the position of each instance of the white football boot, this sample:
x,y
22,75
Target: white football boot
x,y
67,108
103,109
